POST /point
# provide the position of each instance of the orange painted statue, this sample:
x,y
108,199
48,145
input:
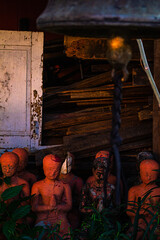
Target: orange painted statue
x,y
148,176
76,184
49,194
93,192
21,171
9,164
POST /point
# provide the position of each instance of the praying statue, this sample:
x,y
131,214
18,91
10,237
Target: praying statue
x,y
48,201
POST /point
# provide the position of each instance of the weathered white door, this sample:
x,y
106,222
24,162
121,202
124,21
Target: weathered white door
x,y
21,65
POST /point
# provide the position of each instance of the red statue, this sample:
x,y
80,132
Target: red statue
x,y
21,171
76,184
49,194
9,164
147,174
93,191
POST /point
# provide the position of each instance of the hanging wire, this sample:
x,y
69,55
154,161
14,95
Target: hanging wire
x,y
141,62
147,70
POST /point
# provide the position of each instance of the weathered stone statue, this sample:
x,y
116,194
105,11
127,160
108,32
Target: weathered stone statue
x,y
49,194
148,174
93,192
21,171
76,184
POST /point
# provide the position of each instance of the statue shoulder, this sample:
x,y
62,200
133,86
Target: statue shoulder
x,y
65,186
134,189
38,183
31,176
21,181
78,180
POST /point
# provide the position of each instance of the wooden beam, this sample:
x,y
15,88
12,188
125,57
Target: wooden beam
x,y
96,48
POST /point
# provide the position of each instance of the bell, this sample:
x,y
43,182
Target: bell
x,y
102,18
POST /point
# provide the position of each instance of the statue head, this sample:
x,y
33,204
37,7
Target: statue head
x,y
100,164
52,166
23,158
148,170
9,163
67,164
143,156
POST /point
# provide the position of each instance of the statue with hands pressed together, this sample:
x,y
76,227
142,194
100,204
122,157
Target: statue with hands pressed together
x,y
49,193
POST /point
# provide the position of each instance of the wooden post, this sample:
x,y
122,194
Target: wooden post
x,y
156,108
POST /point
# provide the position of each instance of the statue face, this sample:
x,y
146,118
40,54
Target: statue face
x,y
147,171
9,168
51,169
67,165
99,173
9,163
100,165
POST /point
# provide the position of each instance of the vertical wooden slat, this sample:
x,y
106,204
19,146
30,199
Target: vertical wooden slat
x,y
156,108
36,89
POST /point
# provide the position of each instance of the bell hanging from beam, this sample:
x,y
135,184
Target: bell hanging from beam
x,y
102,18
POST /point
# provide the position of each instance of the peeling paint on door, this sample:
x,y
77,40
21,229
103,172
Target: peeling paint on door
x,y
21,68
36,114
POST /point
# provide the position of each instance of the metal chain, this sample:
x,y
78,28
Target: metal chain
x,y
116,122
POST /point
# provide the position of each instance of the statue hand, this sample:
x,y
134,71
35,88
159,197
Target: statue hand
x,y
53,202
